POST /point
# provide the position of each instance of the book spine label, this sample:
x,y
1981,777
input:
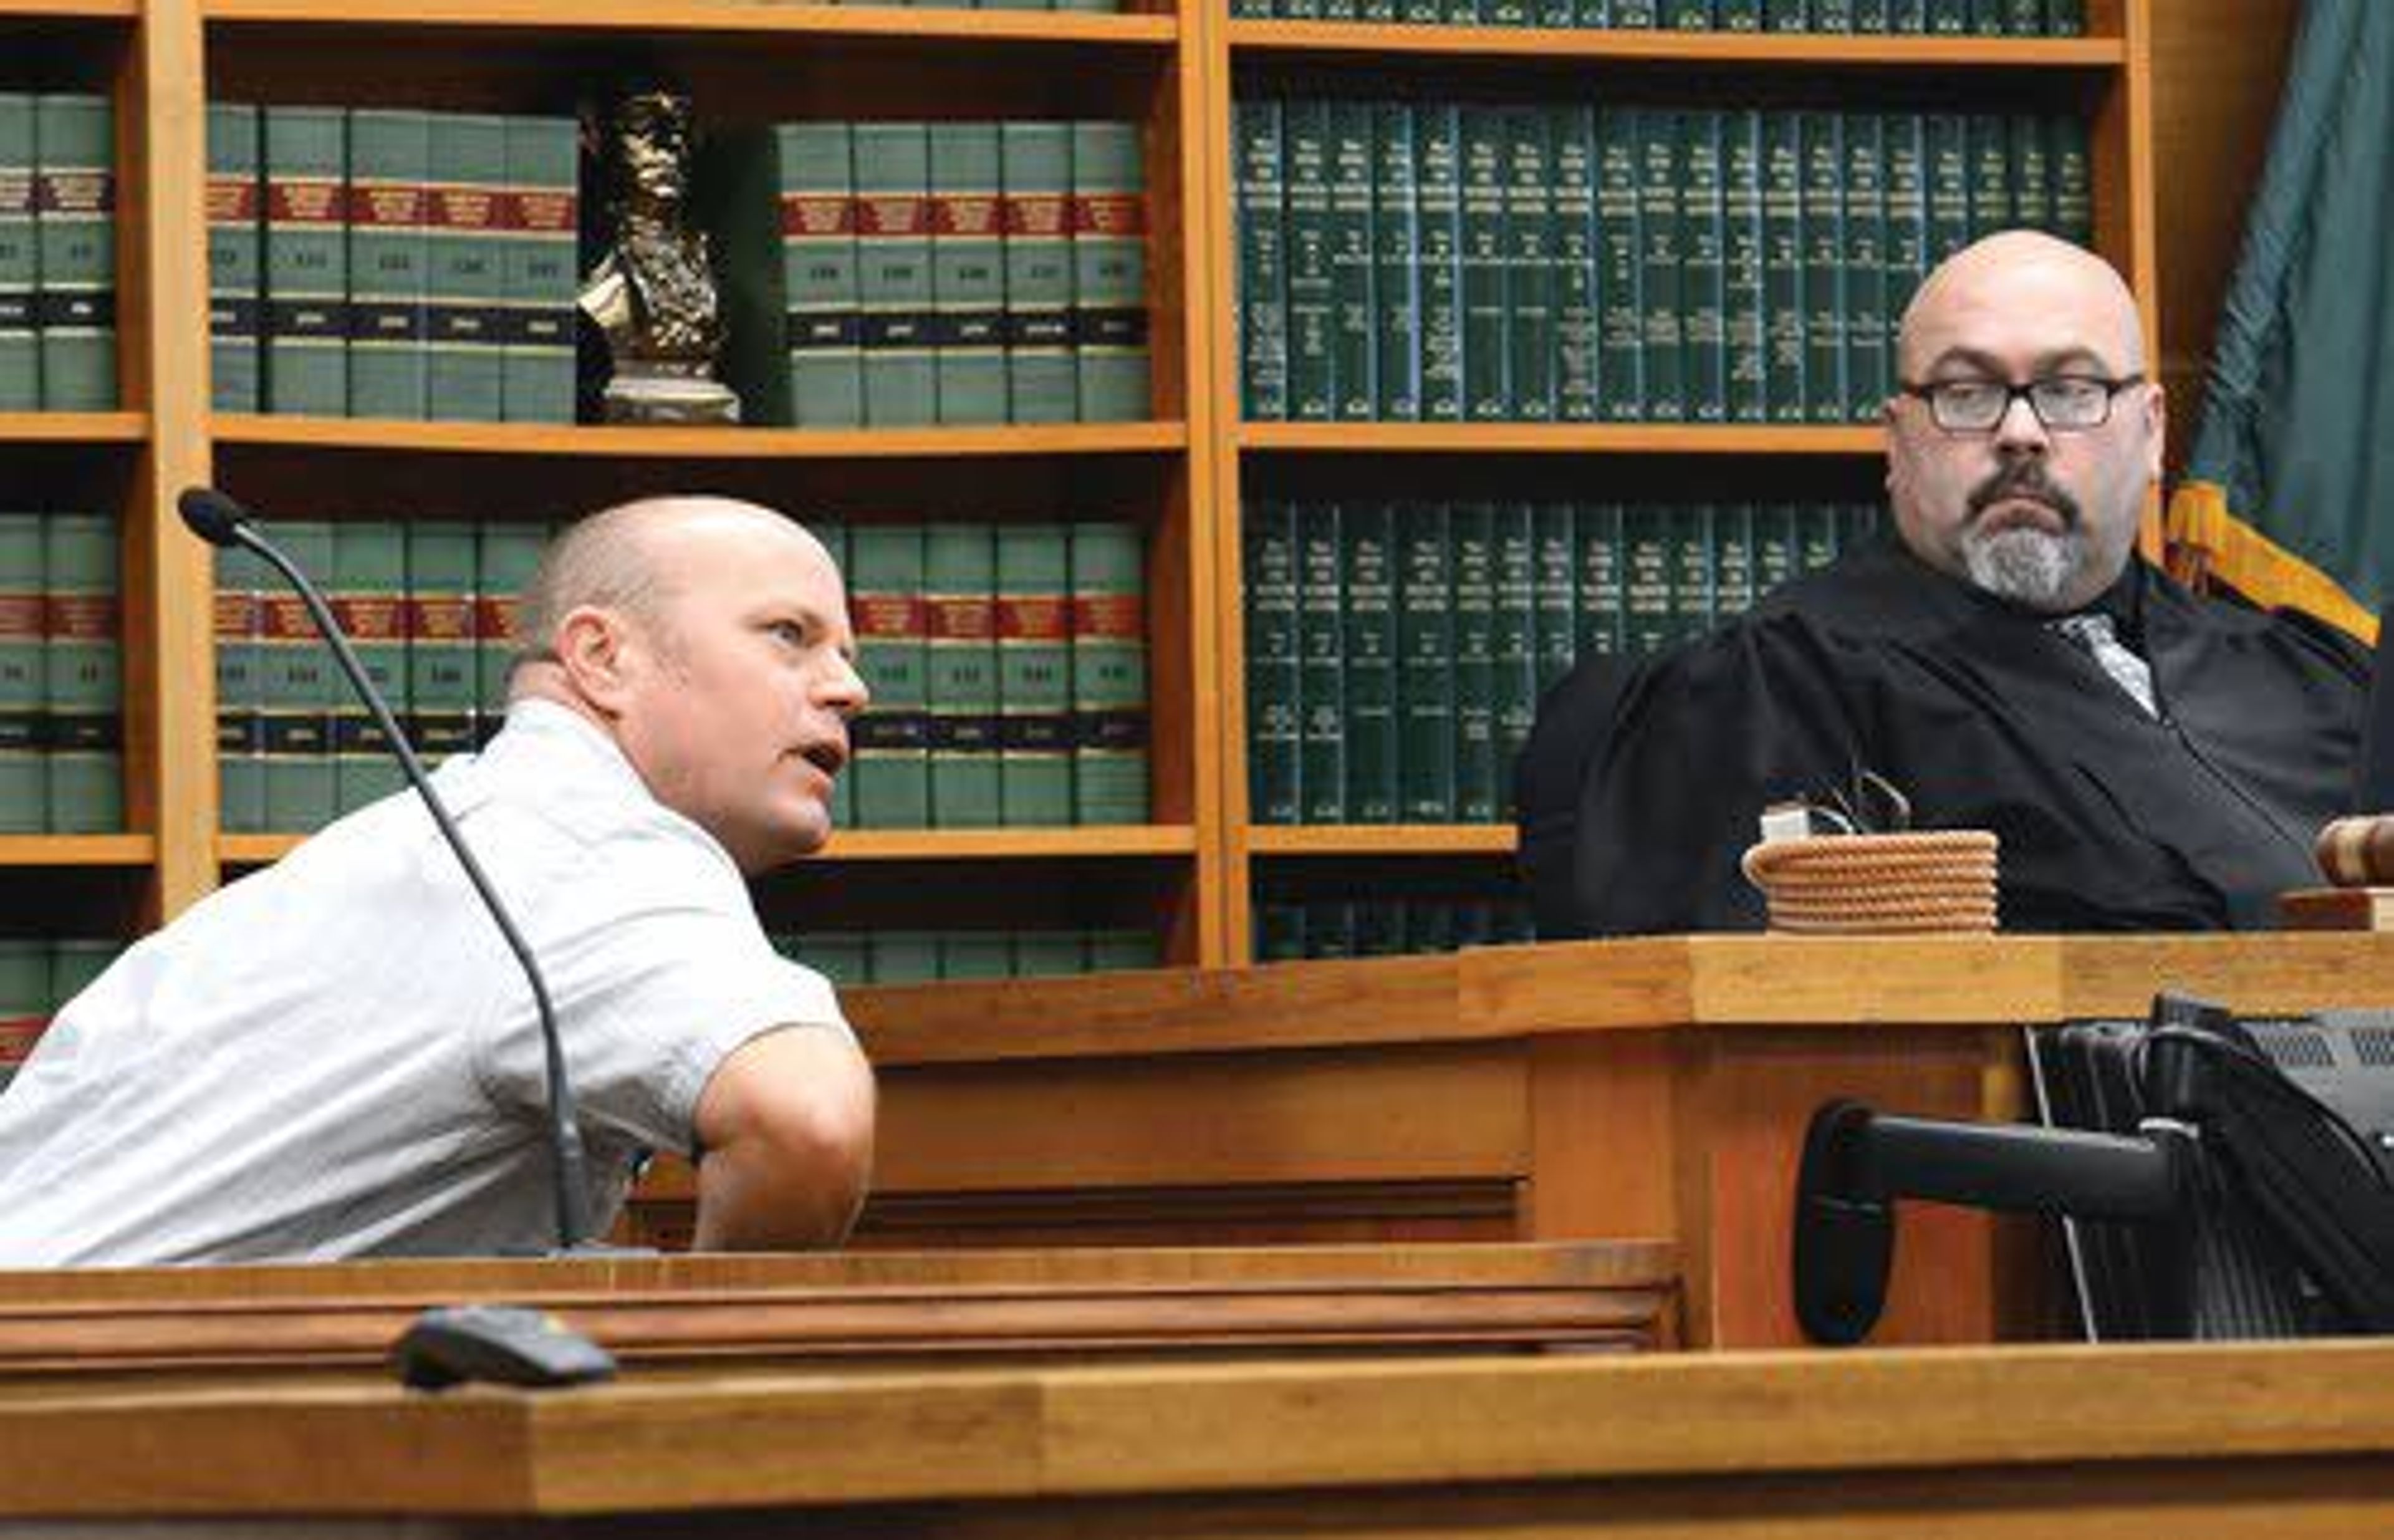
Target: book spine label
x,y
1746,369
1703,278
369,599
1785,351
1111,770
1867,325
1601,602
2066,158
1263,265
1947,158
822,329
1516,651
1692,571
969,282
1367,538
1648,622
1312,285
1662,166
2030,174
1473,527
1424,606
390,162
1620,271
893,255
465,291
1354,374
1487,383
1438,166
1987,148
74,212
1825,261
1396,275
235,255
892,738
1268,562
1034,674
1906,164
541,275
24,715
1110,272
1776,545
1530,277
438,625
1322,671
20,362
1554,534
960,669
1041,380
1577,312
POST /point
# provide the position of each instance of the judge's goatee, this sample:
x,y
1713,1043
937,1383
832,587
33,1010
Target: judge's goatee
x,y
2022,560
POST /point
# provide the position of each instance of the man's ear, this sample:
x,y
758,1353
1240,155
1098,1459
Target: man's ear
x,y
597,652
2157,428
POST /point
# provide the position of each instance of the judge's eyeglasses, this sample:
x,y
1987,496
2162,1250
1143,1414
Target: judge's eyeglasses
x,y
2065,403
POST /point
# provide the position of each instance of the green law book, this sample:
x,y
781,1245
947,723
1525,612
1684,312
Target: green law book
x,y
24,711
1777,546
1329,929
1110,703
1744,361
540,275
1991,17
84,688
1692,571
1820,535
1322,664
1906,162
969,282
1821,137
1602,603
1987,149
1473,530
76,962
2031,174
1395,272
1785,351
892,766
1636,14
1354,375
1312,284
442,660
844,958
1945,155
307,261
1859,524
74,199
368,592
1663,289
904,956
960,673
2066,158
1732,575
1429,926
236,250
2024,18
1487,359
976,954
1703,276
240,577
1279,932
1648,621
2065,18
466,285
1946,17
505,557
1034,675
1529,279
1516,650
1110,333
20,338
1421,13
1867,323
390,164
1379,928
1907,15
1578,374
1555,546
1424,606
1438,170
1787,16
1620,283
893,272
1049,954
1268,568
1042,381
296,684
1367,540
1832,16
1738,16
1689,15
1120,949
1263,264
823,331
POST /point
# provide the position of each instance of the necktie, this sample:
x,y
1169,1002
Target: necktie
x,y
2094,635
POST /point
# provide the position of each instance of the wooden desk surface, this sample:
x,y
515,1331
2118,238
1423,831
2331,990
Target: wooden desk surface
x,y
2286,1440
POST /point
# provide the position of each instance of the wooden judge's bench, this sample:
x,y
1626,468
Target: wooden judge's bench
x,y
1089,1297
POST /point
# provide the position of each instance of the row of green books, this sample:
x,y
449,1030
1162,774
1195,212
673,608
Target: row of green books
x,y
1396,652
1937,18
58,252
1417,260
430,607
390,263
37,976
61,695
891,274
1289,932
1008,671
928,956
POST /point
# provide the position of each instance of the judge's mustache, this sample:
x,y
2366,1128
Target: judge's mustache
x,y
2024,479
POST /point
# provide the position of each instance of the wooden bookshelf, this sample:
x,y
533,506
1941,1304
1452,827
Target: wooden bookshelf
x,y
1037,29
73,427
100,851
700,444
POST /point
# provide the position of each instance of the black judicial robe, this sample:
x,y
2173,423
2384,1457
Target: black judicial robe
x,y
1985,718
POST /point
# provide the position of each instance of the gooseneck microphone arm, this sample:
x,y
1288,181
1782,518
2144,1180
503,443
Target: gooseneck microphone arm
x,y
219,520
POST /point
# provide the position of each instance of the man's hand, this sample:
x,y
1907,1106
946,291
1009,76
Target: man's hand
x,y
785,1136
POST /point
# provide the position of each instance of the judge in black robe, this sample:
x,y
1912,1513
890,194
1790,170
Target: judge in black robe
x,y
1985,718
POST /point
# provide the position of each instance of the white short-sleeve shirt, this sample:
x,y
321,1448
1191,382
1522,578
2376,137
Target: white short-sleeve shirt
x,y
338,1056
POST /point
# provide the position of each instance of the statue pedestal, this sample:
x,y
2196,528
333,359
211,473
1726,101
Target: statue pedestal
x,y
674,399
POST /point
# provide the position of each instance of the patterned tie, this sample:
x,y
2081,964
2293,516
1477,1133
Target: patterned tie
x,y
2093,635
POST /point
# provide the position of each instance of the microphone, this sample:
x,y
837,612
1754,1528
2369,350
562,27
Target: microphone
x,y
219,520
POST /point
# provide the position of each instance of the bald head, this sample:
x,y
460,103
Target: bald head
x,y
2023,277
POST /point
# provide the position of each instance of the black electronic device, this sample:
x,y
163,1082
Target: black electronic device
x,y
496,1345
219,520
